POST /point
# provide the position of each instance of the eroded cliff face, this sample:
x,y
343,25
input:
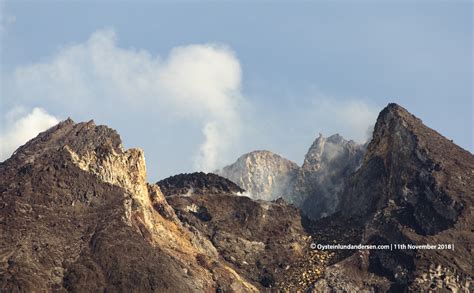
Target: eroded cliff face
x,y
414,187
263,174
78,215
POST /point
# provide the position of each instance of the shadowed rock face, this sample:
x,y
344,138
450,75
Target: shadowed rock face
x,y
320,182
422,172
414,186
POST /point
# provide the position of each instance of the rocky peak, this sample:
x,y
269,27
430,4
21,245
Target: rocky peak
x,y
324,151
265,175
78,215
336,139
94,149
403,147
81,138
315,187
328,163
414,186
313,158
198,183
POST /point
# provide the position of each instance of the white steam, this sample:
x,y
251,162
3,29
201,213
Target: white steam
x,y
199,84
207,157
195,85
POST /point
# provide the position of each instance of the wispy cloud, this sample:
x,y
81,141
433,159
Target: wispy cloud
x,y
21,127
353,118
6,19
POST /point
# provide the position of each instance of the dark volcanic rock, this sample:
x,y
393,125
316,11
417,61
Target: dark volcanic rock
x,y
76,214
425,174
265,241
414,187
198,183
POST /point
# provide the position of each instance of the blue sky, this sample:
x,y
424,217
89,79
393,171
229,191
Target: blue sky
x,y
282,72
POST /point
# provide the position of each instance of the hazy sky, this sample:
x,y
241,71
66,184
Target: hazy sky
x,y
198,84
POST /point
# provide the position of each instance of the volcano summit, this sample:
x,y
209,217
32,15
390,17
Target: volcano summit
x,y
77,214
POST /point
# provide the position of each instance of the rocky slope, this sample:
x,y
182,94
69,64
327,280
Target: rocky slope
x,y
263,174
414,187
264,240
76,214
315,187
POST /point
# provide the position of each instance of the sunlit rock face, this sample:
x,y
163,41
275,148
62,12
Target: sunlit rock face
x,y
315,187
263,174
77,214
